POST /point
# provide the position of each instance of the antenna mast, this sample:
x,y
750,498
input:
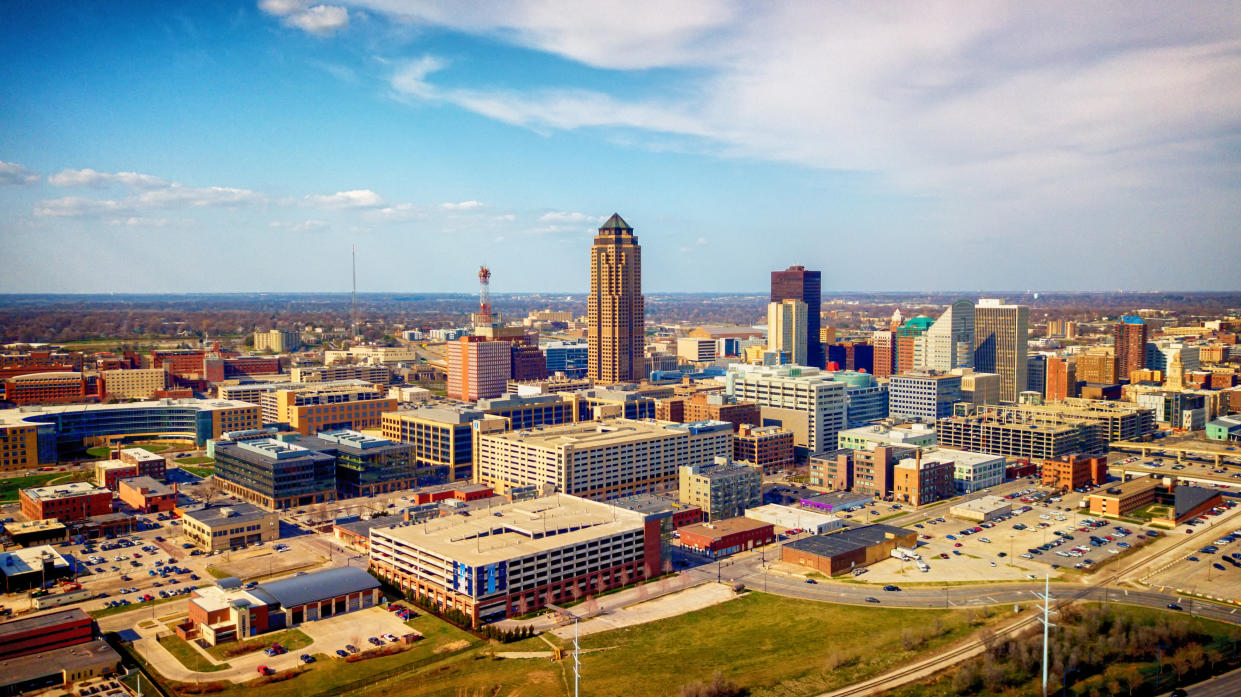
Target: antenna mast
x,y
1047,624
484,298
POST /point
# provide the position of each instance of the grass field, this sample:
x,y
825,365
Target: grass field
x,y
11,485
188,657
767,644
200,472
443,644
199,460
291,639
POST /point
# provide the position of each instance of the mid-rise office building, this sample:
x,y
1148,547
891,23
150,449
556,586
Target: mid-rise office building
x,y
520,556
374,374
230,526
797,283
277,341
884,342
979,388
572,358
866,399
478,367
307,409
1073,471
866,437
365,465
615,310
275,475
909,344
1000,335
604,460
787,330
923,395
722,488
695,350
971,471
1036,374
136,383
442,438
769,448
1129,339
922,480
63,431
806,401
1099,366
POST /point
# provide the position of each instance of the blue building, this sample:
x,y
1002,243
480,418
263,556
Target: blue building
x,y
568,357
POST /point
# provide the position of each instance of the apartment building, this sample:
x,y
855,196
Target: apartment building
x,y
769,448
137,383
722,489
374,374
519,557
277,341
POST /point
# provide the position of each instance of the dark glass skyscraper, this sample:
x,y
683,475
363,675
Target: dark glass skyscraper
x,y
796,283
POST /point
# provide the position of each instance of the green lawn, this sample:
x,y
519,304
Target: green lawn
x,y
188,657
443,645
201,472
197,460
767,644
291,639
217,572
11,485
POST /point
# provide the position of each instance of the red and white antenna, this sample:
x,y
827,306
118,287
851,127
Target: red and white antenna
x,y
484,295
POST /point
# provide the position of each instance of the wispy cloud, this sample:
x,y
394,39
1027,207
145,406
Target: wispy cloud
x,y
570,217
462,206
321,20
12,173
358,198
89,178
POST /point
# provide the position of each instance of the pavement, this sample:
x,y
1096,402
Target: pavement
x,y
670,605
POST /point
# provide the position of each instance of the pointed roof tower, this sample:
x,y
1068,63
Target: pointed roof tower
x,y
616,224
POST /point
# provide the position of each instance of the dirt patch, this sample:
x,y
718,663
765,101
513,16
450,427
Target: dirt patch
x,y
452,646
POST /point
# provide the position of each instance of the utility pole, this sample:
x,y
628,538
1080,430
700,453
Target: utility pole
x,y
1047,624
577,663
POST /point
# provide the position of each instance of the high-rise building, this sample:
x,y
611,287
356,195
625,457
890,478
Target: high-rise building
x,y
949,342
568,357
796,283
615,310
477,367
1130,344
884,342
786,329
1000,335
909,343
1061,379
1036,374
1099,366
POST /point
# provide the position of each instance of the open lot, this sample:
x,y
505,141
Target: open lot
x,y
1204,570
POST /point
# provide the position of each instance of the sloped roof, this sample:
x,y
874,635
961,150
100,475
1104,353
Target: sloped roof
x,y
616,223
312,587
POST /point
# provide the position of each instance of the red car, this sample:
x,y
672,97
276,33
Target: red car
x,y
264,670
956,544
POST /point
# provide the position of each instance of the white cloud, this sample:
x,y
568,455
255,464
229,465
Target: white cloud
x,y
80,178
358,198
74,206
177,195
999,100
13,173
321,20
134,221
570,217
462,206
701,242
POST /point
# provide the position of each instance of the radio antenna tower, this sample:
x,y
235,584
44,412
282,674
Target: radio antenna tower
x,y
353,313
484,297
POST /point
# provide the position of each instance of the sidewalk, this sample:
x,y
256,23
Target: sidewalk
x,y
607,604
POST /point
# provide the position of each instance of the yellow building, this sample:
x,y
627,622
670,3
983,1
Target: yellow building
x,y
615,311
19,447
141,383
308,409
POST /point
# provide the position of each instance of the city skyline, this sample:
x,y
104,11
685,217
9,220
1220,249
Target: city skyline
x,y
1050,148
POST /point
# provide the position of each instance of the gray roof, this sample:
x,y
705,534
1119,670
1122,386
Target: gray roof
x,y
1188,498
49,619
212,516
847,540
69,658
320,585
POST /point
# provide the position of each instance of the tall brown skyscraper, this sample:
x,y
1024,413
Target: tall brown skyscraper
x,y
615,310
796,283
1130,344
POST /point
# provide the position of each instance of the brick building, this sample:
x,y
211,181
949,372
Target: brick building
x,y
65,502
919,481
146,495
770,448
722,538
1074,472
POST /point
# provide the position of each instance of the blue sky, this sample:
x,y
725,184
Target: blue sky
x,y
166,147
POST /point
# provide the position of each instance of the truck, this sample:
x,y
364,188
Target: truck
x,y
922,566
908,552
898,554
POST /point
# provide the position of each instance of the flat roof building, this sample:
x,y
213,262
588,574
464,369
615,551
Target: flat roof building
x,y
982,509
866,437
442,438
789,518
806,401
518,557
722,538
308,409
275,475
146,495
843,551
365,465
65,502
231,526
22,569
722,489
598,460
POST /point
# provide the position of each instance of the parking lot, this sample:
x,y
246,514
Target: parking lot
x,y
1040,533
1212,569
